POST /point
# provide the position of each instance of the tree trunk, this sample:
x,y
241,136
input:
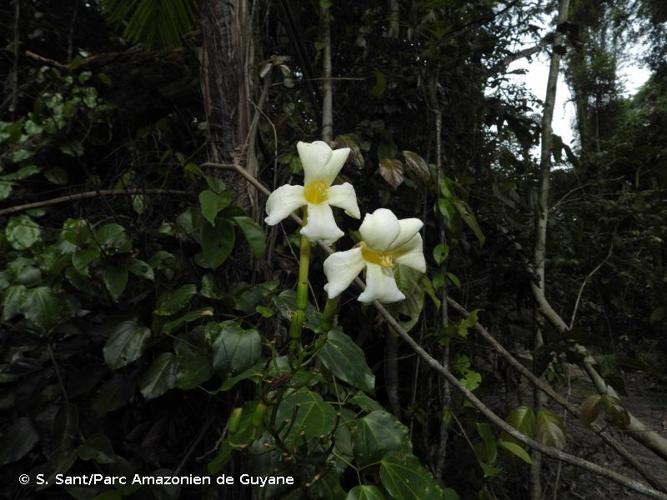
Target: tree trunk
x,y
542,218
226,80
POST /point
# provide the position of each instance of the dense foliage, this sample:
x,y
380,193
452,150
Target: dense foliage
x,y
146,307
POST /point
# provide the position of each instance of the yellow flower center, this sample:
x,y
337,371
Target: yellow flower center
x,y
384,259
316,192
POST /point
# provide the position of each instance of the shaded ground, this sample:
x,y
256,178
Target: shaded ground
x,y
647,400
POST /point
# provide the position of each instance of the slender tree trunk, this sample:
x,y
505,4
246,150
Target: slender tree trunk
x,y
327,84
542,219
226,76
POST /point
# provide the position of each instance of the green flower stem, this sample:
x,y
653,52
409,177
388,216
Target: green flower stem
x,y
330,309
301,293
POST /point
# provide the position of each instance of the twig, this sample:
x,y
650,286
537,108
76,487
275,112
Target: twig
x,y
583,284
45,60
87,194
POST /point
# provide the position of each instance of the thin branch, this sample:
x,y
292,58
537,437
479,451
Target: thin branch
x,y
85,195
583,284
549,391
504,426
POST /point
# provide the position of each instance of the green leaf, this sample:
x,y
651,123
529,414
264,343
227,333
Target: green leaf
x,y
42,307
440,253
454,279
376,434
17,441
172,301
405,479
253,234
549,429
467,323
217,242
160,376
312,416
380,84
194,364
115,280
140,268
13,299
487,451
523,420
172,326
346,360
212,203
22,173
408,311
466,214
22,232
515,449
125,344
56,176
234,349
113,239
5,189
81,259
365,492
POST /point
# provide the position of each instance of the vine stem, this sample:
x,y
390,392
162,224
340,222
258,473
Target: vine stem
x,y
329,313
296,324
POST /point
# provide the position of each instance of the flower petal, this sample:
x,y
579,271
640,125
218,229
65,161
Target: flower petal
x,y
343,196
282,202
321,225
412,254
335,164
340,269
380,229
380,286
314,158
409,228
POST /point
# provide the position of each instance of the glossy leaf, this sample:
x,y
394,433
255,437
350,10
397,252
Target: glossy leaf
x,y
22,232
406,479
115,280
376,434
42,307
310,416
125,344
217,242
160,376
212,203
365,492
345,360
234,349
516,450
172,301
253,234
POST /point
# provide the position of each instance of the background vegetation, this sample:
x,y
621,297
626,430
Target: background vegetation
x,y
145,305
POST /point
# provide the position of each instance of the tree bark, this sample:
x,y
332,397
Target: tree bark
x,y
226,82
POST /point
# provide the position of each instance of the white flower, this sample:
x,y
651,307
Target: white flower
x,y
321,165
386,242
